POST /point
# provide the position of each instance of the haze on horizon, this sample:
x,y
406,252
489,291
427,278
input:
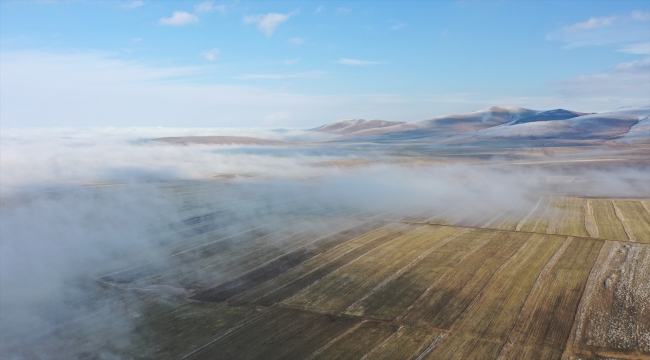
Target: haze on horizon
x,y
303,64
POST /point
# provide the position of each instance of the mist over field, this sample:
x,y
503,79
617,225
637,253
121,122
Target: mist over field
x,y
78,204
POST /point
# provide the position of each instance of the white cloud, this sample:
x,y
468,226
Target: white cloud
x,y
320,8
268,22
208,6
398,26
592,23
95,89
211,55
355,62
296,41
179,18
639,48
630,79
640,15
301,75
137,40
342,11
273,119
292,61
133,4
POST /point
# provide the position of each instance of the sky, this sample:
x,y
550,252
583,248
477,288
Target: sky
x,y
300,64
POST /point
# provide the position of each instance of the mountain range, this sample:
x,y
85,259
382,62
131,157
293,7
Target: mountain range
x,y
624,124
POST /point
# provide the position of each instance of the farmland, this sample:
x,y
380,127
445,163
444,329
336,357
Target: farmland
x,y
566,279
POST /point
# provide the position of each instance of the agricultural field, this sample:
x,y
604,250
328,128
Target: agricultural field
x,y
568,279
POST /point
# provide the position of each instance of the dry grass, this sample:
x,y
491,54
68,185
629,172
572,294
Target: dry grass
x,y
609,226
614,316
487,325
407,343
545,322
340,289
393,299
358,342
448,298
281,333
636,218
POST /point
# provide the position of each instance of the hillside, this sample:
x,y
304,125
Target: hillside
x,y
348,126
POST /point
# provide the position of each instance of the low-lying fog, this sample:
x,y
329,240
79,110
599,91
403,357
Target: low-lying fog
x,y
77,204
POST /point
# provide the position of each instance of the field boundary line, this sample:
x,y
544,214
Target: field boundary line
x,y
604,258
645,206
279,256
383,228
525,309
523,221
461,317
350,262
469,253
621,218
431,346
381,343
229,331
329,343
406,267
196,247
590,220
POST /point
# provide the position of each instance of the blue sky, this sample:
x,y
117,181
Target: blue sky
x,y
300,64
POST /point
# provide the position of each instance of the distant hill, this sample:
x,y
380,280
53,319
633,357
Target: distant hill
x,y
557,114
628,124
353,125
603,125
221,140
449,124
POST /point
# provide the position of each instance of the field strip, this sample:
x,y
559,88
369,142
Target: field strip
x,y
281,333
234,285
590,220
431,346
450,297
432,286
646,206
307,288
394,298
407,267
358,342
614,316
621,218
339,289
194,248
406,343
345,333
545,322
250,246
530,213
636,219
276,290
483,331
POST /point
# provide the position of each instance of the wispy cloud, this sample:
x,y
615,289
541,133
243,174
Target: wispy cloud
x,y
132,4
296,41
398,26
208,6
639,48
355,62
320,8
592,23
629,78
623,30
292,61
136,40
342,11
268,22
301,75
211,55
179,18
